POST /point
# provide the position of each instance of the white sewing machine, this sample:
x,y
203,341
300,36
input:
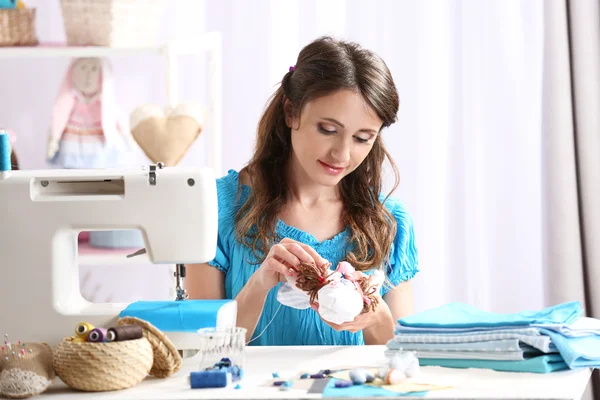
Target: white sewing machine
x,y
43,211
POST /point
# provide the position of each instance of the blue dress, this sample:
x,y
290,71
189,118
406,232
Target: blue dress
x,y
285,325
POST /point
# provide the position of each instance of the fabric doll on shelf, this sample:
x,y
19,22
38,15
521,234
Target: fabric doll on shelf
x,y
85,130
341,294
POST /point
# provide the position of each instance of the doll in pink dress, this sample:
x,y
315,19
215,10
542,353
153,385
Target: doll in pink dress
x,y
85,132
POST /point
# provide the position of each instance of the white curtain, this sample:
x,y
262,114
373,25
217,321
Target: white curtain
x,y
468,140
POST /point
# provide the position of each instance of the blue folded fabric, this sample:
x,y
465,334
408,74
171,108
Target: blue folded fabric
x,y
540,365
577,352
460,315
177,316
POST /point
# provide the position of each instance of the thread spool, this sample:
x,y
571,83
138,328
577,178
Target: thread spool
x,y
97,335
82,330
5,151
125,332
209,379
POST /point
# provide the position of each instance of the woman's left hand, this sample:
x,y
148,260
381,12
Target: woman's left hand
x,y
361,321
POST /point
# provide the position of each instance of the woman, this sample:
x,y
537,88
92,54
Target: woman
x,y
311,193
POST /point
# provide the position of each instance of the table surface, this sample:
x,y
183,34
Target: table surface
x,y
261,362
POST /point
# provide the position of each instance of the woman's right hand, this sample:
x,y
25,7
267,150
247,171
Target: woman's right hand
x,y
287,253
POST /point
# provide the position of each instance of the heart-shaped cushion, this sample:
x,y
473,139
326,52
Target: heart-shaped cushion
x,y
166,135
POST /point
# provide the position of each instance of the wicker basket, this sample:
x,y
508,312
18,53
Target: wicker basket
x,y
115,23
96,367
17,27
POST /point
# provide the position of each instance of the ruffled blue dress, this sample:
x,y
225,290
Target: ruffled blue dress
x,y
280,325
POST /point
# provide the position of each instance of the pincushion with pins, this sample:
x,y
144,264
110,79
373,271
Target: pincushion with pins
x,y
26,369
340,295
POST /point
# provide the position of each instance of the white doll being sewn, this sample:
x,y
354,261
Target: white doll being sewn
x,y
341,294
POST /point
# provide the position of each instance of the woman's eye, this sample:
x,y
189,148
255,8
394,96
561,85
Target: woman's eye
x,y
326,131
361,140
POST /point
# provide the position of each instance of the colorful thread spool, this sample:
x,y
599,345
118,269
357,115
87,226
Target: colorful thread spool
x,y
97,335
81,331
209,379
125,332
5,164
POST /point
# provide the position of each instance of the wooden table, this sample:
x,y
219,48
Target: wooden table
x,y
261,362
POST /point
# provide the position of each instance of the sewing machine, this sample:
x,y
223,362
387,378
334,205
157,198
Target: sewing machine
x,y
43,212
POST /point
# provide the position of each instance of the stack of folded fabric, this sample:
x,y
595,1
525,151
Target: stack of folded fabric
x,y
461,336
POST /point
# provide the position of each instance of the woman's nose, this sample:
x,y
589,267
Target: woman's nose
x,y
341,151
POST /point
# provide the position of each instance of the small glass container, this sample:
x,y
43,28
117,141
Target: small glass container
x,y
219,344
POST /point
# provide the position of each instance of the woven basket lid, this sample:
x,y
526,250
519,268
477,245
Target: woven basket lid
x,y
167,360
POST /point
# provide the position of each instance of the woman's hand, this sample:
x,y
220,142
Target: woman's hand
x,y
362,321
378,325
281,257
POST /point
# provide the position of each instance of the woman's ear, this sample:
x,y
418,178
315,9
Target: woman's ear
x,y
287,110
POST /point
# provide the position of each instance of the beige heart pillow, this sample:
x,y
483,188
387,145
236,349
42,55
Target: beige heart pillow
x,y
166,136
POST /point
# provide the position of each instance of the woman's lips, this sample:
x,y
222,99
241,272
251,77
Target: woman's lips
x,y
331,169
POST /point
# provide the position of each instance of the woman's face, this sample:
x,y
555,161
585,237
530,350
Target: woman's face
x,y
333,136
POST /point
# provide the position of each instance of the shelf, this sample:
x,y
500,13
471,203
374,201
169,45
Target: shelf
x,y
89,255
62,50
195,45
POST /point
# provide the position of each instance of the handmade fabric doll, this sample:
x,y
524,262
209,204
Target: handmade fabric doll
x,y
85,131
341,294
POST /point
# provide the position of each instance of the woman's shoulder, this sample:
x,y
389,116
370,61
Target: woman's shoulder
x,y
229,193
403,254
397,208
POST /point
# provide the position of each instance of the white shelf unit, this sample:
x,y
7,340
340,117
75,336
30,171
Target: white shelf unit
x,y
209,43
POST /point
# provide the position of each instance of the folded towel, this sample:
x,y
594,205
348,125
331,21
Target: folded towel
x,y
460,315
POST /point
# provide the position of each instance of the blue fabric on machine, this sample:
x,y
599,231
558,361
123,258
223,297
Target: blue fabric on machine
x,y
459,335
177,316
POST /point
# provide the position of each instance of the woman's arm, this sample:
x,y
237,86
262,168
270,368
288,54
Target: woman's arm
x,y
400,300
398,303
203,281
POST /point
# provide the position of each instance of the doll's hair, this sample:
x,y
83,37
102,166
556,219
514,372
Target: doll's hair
x,y
311,278
324,67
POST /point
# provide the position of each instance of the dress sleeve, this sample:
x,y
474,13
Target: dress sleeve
x,y
403,262
226,190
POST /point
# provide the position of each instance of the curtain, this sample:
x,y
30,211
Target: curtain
x,y
572,154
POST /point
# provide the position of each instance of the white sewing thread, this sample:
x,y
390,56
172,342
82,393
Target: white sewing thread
x,y
265,328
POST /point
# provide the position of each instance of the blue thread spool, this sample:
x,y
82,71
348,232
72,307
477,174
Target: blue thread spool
x,y
4,151
209,379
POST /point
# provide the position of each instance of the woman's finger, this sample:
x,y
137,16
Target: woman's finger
x,y
280,252
297,250
275,265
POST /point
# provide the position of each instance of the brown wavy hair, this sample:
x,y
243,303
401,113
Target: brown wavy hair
x,y
323,67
